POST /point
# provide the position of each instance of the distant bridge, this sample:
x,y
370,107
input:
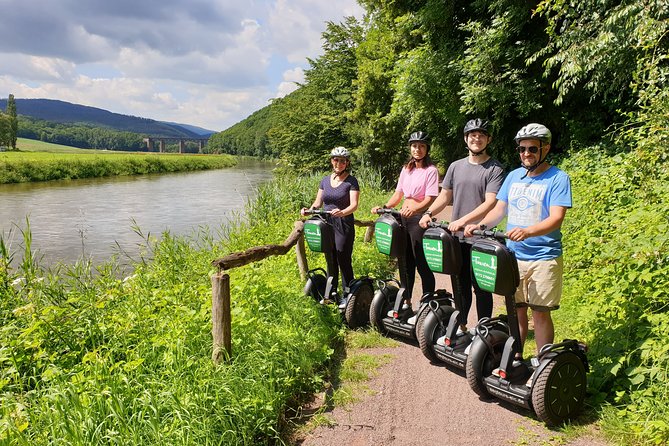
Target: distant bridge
x,y
151,143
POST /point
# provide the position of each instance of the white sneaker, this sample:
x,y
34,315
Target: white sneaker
x,y
412,320
405,307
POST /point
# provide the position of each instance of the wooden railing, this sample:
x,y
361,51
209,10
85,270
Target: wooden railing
x,y
220,282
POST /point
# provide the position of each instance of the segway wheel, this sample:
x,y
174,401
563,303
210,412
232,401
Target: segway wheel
x,y
559,390
358,305
382,303
482,360
428,330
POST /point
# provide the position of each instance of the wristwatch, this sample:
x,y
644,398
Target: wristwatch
x,y
483,227
428,213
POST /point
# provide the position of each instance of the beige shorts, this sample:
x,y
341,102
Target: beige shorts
x,y
540,284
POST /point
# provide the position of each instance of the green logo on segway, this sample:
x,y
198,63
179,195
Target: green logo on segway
x,y
484,267
434,254
383,234
312,234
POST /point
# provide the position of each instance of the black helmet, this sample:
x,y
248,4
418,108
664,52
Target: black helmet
x,y
477,124
419,137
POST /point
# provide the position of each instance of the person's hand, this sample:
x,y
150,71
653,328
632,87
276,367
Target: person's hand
x,y
375,208
407,211
336,212
424,220
303,212
468,230
456,226
518,234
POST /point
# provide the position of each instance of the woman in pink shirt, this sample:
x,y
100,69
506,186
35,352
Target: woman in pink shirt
x,y
418,185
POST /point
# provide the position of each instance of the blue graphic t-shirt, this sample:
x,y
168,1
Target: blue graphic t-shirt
x,y
528,202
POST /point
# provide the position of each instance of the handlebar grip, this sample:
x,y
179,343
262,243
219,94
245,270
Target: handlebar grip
x,y
492,234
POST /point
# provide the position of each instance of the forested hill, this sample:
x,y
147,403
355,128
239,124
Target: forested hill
x,y
68,113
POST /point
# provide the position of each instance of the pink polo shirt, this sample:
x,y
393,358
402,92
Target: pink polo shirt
x,y
419,182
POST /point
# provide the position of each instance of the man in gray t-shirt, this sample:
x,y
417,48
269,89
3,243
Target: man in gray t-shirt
x,y
470,185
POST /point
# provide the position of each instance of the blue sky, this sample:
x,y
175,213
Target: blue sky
x,y
209,63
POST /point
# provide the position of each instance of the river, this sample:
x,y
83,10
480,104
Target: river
x,y
94,218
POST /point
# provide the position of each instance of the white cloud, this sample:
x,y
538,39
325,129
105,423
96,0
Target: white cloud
x,y
290,80
200,62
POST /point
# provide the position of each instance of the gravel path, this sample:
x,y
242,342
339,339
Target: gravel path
x,y
417,403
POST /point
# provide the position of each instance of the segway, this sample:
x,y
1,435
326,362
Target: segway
x,y
440,339
357,297
387,312
552,384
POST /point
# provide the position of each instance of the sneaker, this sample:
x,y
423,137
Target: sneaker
x,y
325,301
405,307
462,329
343,303
412,320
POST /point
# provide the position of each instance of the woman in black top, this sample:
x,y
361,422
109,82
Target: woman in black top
x,y
339,193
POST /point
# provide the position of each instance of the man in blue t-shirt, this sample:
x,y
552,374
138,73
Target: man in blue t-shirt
x,y
535,199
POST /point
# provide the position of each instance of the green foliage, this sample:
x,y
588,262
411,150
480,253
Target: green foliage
x,y
13,121
85,136
617,274
37,166
88,358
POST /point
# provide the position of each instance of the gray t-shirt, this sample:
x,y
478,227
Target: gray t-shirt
x,y
470,183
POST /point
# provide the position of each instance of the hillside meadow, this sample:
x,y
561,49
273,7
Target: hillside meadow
x,y
40,161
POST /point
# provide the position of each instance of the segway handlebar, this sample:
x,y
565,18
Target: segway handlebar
x,y
321,212
434,224
394,212
499,235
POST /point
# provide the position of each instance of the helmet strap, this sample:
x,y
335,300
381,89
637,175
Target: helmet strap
x,y
542,159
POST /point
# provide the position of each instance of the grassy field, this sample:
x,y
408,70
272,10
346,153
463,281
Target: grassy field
x,y
40,161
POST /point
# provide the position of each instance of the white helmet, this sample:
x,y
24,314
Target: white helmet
x,y
340,151
534,131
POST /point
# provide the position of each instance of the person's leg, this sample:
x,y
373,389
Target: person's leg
x,y
416,236
344,239
465,277
523,324
544,331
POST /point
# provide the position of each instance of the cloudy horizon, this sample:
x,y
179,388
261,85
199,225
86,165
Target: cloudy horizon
x,y
207,63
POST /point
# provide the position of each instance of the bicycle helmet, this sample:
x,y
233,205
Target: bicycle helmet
x,y
419,137
534,131
340,151
477,124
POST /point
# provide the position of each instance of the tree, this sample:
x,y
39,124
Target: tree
x,y
13,121
4,130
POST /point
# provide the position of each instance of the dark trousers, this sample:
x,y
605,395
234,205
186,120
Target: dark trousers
x,y
344,235
483,298
415,257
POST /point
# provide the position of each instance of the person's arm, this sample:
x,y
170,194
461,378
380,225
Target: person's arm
x,y
318,202
477,214
445,198
491,219
546,226
393,201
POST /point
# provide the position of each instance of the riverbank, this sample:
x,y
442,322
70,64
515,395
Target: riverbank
x,y
39,161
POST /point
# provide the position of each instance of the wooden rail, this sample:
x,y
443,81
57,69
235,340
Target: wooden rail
x,y
220,282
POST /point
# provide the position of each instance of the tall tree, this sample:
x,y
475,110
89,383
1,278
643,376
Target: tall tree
x,y
13,121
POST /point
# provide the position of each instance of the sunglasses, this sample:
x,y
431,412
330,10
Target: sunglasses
x,y
339,160
531,149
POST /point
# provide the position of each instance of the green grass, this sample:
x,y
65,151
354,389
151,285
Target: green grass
x,y
43,162
87,357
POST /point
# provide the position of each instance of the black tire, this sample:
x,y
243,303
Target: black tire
x,y
428,329
559,390
382,303
481,361
358,306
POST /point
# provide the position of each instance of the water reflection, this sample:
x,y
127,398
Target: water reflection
x,y
68,218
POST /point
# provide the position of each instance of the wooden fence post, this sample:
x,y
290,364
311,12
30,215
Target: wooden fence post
x,y
369,232
301,253
220,314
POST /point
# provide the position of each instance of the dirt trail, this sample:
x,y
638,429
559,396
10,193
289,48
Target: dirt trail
x,y
418,403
